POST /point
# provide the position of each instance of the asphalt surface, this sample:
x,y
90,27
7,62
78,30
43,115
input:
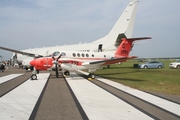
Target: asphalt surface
x,y
57,100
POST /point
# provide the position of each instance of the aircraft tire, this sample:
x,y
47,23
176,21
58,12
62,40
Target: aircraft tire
x,y
91,75
33,77
66,73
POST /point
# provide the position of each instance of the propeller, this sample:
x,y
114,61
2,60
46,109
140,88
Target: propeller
x,y
56,63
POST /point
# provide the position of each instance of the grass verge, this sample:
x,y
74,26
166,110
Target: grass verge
x,y
164,80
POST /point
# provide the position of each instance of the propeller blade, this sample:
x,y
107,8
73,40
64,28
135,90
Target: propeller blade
x,y
56,64
59,57
57,74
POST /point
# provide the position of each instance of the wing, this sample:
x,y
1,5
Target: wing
x,y
109,61
21,52
95,62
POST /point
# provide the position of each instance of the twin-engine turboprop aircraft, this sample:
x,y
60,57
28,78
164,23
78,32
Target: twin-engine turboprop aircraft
x,y
92,61
123,28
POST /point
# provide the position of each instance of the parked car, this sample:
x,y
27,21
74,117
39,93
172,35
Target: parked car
x,y
175,64
152,64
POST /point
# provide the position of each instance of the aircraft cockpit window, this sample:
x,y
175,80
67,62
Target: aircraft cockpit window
x,y
56,53
63,54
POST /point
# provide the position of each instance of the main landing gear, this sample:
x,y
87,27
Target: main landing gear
x,y
66,73
91,76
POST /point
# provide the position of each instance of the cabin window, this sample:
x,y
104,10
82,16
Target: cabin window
x,y
78,55
104,55
74,55
87,55
63,54
82,54
92,55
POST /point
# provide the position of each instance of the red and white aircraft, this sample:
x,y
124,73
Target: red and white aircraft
x,y
92,61
122,28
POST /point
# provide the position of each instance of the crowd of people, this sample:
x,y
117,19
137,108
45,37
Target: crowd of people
x,y
4,65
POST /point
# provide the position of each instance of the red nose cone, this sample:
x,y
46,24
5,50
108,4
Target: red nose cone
x,y
33,63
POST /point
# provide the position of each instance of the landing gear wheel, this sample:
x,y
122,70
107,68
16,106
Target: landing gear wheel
x,y
91,75
33,77
66,73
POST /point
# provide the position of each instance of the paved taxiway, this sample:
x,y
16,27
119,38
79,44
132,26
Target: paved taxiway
x,y
75,97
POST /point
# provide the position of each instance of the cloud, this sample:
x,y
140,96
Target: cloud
x,y
37,23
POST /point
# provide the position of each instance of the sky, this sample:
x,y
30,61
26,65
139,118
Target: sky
x,y
36,23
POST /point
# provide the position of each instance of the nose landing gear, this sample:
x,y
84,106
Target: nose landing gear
x,y
34,76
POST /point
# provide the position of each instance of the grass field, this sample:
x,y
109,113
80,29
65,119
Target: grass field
x,y
164,80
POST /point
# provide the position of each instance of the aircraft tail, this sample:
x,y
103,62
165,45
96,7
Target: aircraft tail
x,y
123,27
126,46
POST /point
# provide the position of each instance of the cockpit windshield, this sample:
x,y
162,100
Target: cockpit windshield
x,y
63,54
56,53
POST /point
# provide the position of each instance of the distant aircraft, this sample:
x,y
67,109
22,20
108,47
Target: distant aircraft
x,y
122,29
92,61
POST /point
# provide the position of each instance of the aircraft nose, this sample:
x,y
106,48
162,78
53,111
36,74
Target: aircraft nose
x,y
33,62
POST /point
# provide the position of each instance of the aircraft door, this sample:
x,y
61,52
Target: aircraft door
x,y
100,47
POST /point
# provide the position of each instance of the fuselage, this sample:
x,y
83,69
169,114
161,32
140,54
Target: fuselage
x,y
72,60
46,51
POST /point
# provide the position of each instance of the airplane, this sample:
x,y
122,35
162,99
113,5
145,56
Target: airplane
x,y
92,61
123,28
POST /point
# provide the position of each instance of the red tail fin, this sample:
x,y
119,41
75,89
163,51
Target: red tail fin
x,y
126,45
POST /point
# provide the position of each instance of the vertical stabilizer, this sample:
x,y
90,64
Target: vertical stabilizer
x,y
124,25
124,48
126,45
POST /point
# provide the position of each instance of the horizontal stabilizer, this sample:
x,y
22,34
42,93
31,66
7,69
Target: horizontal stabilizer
x,y
140,38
